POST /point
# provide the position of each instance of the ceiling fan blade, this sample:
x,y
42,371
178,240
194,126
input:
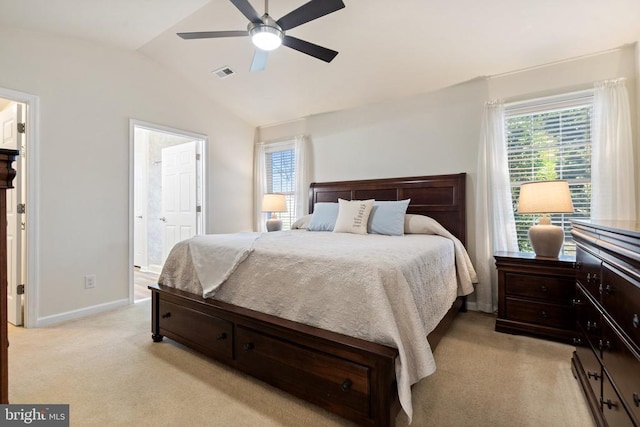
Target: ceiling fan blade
x,y
314,50
308,12
247,10
213,34
259,60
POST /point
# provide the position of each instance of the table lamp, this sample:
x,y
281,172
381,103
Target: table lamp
x,y
274,203
545,197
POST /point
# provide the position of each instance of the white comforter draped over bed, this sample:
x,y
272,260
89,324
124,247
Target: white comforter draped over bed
x,y
388,289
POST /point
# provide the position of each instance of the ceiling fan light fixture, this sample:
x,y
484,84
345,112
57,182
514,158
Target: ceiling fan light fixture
x,y
266,37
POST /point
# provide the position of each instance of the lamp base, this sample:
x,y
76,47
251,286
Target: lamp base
x,y
546,240
274,225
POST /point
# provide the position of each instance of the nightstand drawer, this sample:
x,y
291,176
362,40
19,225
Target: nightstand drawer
x,y
538,286
540,313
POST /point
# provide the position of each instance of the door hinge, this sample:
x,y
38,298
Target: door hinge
x,y
21,208
20,290
22,127
198,208
197,156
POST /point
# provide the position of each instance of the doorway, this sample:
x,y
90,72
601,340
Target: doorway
x,y
167,197
19,113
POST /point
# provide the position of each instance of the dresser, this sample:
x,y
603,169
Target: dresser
x,y
606,361
535,295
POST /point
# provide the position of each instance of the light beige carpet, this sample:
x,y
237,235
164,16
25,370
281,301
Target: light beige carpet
x,y
111,373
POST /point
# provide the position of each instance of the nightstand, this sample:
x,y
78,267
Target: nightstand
x,y
535,295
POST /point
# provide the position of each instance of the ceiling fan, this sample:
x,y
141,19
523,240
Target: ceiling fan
x,y
268,34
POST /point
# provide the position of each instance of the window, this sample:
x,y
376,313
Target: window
x,y
550,139
280,167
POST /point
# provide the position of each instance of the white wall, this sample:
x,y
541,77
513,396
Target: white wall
x,y
437,133
88,93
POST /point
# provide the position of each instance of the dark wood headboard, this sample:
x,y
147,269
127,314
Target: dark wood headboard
x,y
442,197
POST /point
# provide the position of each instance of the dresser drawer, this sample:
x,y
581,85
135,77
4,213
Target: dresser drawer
x,y
622,364
210,334
612,407
588,318
309,374
539,286
592,367
546,314
588,271
621,299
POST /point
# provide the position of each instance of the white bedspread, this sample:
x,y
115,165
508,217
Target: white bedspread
x,y
388,289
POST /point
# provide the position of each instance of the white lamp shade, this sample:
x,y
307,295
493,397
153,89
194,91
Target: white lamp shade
x,y
274,203
545,197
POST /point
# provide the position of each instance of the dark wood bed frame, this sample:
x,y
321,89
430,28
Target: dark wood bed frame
x,y
348,376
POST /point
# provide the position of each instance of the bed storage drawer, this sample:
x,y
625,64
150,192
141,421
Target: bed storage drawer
x,y
209,334
311,375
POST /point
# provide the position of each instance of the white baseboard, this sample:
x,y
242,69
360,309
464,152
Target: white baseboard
x,y
77,314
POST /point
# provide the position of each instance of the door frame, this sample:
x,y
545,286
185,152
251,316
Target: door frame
x,y
201,170
32,179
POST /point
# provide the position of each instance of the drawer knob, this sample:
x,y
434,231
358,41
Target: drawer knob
x,y
544,314
166,315
249,346
607,289
591,326
636,399
543,288
608,403
605,345
636,321
593,375
221,336
346,385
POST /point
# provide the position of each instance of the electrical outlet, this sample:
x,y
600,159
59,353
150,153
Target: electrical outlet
x,y
90,281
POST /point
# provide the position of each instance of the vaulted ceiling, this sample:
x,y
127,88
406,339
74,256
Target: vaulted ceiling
x,y
387,49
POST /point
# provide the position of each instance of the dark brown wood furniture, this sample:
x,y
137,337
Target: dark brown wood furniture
x,y
348,376
535,295
607,357
7,173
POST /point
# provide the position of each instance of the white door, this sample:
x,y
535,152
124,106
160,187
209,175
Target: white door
x,y
12,139
140,249
178,195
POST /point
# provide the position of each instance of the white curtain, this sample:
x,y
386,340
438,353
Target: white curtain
x,y
495,224
612,171
260,186
303,175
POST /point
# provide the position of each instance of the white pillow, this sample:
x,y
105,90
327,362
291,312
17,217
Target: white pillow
x,y
353,216
302,223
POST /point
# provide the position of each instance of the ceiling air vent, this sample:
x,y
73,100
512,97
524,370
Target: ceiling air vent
x,y
224,72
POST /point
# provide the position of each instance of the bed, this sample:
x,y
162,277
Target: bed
x,y
346,373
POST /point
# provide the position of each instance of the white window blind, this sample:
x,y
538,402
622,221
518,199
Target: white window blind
x,y
547,139
280,165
